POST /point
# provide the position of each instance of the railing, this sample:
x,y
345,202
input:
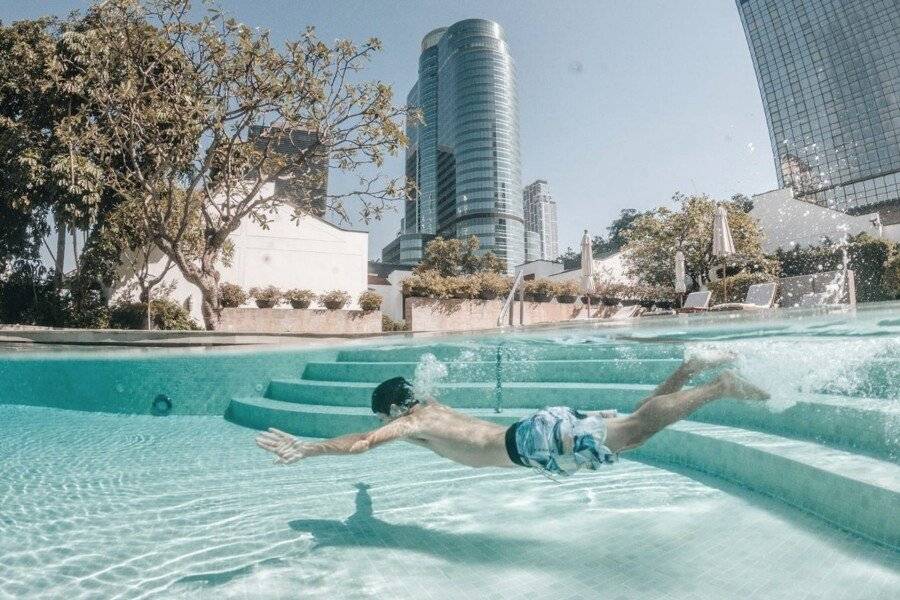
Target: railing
x,y
504,312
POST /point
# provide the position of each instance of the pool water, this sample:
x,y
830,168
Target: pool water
x,y
794,499
98,505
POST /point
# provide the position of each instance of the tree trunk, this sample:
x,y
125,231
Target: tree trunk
x,y
210,307
60,253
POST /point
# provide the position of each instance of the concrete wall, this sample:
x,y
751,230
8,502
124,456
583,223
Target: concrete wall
x,y
307,254
787,222
426,314
289,320
540,268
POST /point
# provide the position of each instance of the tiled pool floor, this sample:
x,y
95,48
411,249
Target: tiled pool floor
x,y
97,505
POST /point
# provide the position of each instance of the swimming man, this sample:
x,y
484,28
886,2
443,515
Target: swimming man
x,y
557,440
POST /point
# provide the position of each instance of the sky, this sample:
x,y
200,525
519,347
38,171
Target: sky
x,y
621,102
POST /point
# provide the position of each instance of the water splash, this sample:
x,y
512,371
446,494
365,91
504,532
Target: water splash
x,y
429,373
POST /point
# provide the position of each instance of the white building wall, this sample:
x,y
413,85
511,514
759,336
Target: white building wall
x,y
787,222
392,294
307,254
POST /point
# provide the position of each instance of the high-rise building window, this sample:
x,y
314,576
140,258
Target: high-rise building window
x,y
540,218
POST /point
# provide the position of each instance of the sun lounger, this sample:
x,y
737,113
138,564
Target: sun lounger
x,y
696,302
625,312
760,296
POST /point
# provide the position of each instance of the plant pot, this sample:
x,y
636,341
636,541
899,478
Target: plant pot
x,y
665,304
648,304
334,305
630,302
266,303
566,299
538,297
300,304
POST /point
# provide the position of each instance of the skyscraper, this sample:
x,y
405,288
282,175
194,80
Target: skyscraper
x,y
464,156
540,218
829,75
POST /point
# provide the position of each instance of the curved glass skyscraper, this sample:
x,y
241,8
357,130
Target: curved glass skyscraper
x,y
829,74
464,157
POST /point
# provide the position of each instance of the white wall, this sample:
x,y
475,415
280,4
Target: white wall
x,y
310,254
392,294
787,222
540,268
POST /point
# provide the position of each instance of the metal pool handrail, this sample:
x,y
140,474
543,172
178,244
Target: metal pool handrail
x,y
509,300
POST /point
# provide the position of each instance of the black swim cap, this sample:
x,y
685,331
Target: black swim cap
x,y
393,391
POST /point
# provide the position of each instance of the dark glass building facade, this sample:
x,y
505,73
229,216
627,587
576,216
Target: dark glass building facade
x,y
464,156
829,75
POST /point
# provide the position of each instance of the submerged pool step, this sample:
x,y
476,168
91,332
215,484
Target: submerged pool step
x,y
468,394
867,425
514,350
652,370
854,492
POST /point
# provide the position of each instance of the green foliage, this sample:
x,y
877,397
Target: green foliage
x,y
491,285
449,257
653,238
734,288
870,259
266,297
232,295
892,276
370,300
165,314
539,290
567,291
389,324
424,284
462,287
335,299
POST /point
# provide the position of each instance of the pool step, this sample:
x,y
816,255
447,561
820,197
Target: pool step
x,y
854,492
513,350
479,394
647,370
867,425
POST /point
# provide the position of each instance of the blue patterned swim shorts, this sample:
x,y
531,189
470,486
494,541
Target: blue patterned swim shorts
x,y
559,440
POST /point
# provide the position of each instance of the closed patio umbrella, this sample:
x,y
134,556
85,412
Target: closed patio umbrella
x,y
587,269
723,244
680,284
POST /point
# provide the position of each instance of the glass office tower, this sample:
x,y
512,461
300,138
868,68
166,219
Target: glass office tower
x,y
829,75
464,156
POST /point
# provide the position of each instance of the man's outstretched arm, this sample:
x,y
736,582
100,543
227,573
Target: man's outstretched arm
x,y
289,449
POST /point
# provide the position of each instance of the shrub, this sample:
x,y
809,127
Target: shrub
x,y
491,285
892,277
369,301
736,287
425,284
609,292
335,299
266,297
567,291
539,290
232,295
389,324
299,298
164,314
463,287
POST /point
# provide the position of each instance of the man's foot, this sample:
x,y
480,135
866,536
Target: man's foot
x,y
708,359
733,386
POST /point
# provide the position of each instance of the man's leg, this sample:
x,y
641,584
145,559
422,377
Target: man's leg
x,y
684,372
658,412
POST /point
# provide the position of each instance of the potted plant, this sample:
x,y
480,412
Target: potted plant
x,y
369,301
492,285
629,295
232,295
426,284
567,291
335,299
539,290
266,297
646,296
299,298
609,293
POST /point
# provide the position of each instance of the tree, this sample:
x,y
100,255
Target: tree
x,y
183,118
449,257
654,237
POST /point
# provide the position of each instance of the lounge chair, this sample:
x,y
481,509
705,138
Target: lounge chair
x,y
625,312
760,296
696,302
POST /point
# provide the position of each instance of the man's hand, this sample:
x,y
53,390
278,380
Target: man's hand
x,y
286,448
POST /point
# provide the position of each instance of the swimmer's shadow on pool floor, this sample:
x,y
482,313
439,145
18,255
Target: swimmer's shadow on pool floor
x,y
362,529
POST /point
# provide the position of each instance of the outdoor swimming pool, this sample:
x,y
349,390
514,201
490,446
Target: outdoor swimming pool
x,y
100,498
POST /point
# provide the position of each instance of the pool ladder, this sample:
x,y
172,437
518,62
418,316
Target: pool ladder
x,y
506,316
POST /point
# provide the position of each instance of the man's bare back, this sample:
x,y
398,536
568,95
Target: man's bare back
x,y
592,436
